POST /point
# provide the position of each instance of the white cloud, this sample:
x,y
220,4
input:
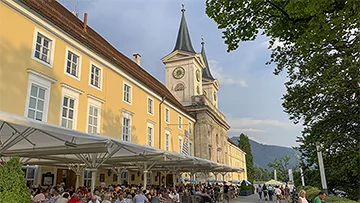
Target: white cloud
x,y
251,123
222,77
240,130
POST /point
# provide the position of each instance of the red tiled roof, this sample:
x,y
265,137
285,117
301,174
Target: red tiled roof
x,y
68,22
232,142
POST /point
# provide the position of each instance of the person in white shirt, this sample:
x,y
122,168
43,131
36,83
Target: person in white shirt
x,y
107,198
302,197
94,199
278,194
174,196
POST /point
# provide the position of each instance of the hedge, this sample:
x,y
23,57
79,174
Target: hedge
x,y
312,192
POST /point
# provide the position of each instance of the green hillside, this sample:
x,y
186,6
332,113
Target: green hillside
x,y
263,154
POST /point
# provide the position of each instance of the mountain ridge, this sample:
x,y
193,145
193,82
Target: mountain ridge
x,y
264,154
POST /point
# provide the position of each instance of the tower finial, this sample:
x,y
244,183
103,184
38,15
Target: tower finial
x,y
183,7
202,40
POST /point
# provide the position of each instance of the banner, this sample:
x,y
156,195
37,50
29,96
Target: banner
x,y
291,179
185,148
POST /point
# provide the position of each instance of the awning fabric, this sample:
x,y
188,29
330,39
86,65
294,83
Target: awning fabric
x,y
41,143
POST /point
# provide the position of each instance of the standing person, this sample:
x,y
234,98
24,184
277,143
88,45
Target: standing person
x,y
140,197
271,192
287,193
226,193
321,196
259,190
277,192
107,198
94,199
302,197
265,191
155,197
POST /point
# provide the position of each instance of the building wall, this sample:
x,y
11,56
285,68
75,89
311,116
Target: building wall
x,y
236,158
17,64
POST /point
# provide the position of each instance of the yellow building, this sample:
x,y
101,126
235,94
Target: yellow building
x,y
236,158
57,69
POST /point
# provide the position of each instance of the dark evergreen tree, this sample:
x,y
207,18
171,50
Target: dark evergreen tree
x,y
245,146
13,188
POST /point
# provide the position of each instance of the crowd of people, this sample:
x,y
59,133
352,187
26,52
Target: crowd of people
x,y
286,194
269,192
186,193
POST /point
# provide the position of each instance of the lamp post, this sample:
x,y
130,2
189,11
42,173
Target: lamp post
x,y
321,168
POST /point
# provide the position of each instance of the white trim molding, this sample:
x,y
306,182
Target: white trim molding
x,y
130,93
51,49
42,81
45,77
64,85
67,49
71,93
92,63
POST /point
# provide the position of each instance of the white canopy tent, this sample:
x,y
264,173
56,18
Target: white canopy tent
x,y
46,144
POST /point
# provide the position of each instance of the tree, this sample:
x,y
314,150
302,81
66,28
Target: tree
x,y
281,165
245,146
13,188
262,174
317,43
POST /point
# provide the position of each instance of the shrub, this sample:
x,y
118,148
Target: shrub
x,y
13,188
338,200
312,192
245,187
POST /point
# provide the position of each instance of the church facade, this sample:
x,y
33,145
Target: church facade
x,y
189,79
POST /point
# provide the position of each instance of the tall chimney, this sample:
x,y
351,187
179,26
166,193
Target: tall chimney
x,y
85,21
137,58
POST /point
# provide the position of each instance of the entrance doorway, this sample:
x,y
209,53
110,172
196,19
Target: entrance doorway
x,y
66,176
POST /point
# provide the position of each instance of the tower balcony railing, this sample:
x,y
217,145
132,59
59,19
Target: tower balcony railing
x,y
202,100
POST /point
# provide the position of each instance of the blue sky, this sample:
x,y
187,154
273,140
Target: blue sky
x,y
250,94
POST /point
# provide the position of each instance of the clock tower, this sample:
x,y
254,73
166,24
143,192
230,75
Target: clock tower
x,y
189,79
184,67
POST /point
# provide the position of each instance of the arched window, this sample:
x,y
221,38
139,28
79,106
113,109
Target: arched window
x,y
179,87
179,90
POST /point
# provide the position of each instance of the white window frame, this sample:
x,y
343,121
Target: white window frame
x,y
167,140
36,172
180,144
71,93
190,128
51,50
67,50
100,78
127,115
180,122
130,93
124,176
88,179
44,82
95,102
151,126
149,178
150,107
167,115
191,148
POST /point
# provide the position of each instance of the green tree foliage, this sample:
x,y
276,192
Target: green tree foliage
x,y
13,188
262,174
245,146
281,165
317,43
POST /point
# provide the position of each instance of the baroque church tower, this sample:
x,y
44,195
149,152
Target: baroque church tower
x,y
189,79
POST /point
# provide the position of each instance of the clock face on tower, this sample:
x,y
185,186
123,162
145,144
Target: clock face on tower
x,y
198,75
178,72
